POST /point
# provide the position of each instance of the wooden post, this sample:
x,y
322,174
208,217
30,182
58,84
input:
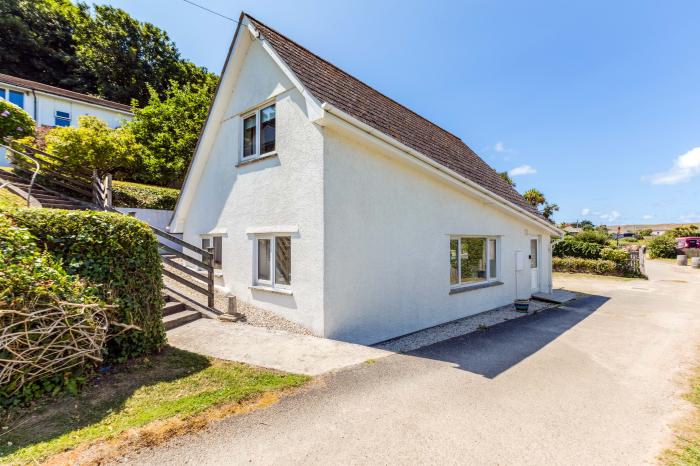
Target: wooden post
x,y
210,281
108,190
231,305
95,192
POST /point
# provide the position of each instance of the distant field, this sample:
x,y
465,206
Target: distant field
x,y
654,226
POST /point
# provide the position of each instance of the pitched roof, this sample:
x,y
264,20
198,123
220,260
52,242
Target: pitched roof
x,y
37,86
329,83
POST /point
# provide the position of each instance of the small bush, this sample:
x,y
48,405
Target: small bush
x,y
592,236
572,246
580,265
662,246
619,256
14,121
143,196
42,321
119,255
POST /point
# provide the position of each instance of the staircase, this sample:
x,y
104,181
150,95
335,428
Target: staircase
x,y
40,196
180,308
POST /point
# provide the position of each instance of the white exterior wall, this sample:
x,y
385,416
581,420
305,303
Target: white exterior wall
x,y
387,233
285,190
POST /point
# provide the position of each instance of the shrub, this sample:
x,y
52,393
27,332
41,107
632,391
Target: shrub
x,y
571,246
41,309
14,121
93,145
593,236
662,246
580,265
117,253
144,196
619,256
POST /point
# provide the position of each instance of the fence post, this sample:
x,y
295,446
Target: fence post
x,y
210,277
108,190
95,192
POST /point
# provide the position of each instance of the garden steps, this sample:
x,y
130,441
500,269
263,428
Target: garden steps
x,y
177,313
40,196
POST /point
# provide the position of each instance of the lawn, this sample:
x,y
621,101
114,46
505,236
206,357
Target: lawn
x,y
8,199
686,451
140,403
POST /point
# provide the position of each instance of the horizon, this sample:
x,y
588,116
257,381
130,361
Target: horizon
x,y
549,102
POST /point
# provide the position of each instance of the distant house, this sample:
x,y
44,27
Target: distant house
x,y
572,230
53,106
338,208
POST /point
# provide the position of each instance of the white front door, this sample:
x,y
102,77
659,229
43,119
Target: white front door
x,y
534,264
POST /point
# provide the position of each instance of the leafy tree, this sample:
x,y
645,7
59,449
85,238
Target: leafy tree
x,y
37,41
584,224
14,121
537,200
94,145
506,177
643,232
168,130
685,230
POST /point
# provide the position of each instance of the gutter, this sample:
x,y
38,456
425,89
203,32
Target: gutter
x,y
35,109
451,173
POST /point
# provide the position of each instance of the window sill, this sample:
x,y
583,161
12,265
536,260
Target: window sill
x,y
478,286
271,289
248,161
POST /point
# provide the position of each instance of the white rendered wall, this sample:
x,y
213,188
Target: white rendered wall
x,y
285,190
387,232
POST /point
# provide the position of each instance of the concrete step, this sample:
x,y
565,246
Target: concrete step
x,y
180,318
173,307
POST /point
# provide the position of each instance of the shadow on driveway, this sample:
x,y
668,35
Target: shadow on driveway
x,y
502,346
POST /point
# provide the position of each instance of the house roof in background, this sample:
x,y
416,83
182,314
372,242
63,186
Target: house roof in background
x,y
329,83
37,86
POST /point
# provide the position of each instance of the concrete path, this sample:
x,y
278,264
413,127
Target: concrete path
x,y
597,381
274,349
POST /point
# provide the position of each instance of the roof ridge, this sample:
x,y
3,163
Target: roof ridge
x,y
355,78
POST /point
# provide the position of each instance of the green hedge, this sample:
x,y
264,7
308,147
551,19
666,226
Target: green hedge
x,y
581,265
31,278
143,196
572,246
118,254
662,246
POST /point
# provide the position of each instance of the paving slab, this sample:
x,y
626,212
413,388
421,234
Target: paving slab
x,y
274,349
556,296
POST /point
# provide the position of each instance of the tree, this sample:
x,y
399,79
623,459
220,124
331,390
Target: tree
x,y
584,224
538,201
168,130
662,246
14,122
37,41
93,145
506,177
685,230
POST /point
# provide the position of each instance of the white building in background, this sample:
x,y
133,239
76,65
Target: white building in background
x,y
53,106
335,207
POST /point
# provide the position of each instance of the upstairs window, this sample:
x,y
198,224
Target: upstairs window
x,y
473,260
259,132
62,118
17,98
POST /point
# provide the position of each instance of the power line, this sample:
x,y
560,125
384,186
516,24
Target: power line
x,y
210,11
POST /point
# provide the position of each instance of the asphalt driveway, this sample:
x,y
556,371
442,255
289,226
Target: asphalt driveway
x,y
595,382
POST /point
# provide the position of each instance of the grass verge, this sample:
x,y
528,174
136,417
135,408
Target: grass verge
x,y
151,398
686,451
556,275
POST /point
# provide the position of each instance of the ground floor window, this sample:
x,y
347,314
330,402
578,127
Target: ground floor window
x,y
215,242
273,261
473,260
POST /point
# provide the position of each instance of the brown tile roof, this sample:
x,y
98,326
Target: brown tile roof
x,y
329,83
37,86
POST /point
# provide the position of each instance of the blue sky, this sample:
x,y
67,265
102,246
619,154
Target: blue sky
x,y
595,103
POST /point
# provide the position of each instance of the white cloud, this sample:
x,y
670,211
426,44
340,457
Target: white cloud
x,y
647,216
499,147
522,170
585,211
609,216
694,217
684,168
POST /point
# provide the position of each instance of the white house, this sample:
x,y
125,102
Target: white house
x,y
335,207
53,106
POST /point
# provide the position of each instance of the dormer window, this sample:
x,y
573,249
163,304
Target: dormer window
x,y
259,132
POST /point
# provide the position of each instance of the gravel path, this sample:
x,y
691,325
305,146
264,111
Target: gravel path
x,y
458,327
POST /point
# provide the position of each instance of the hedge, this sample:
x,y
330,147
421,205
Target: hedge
x,y
43,311
572,246
581,265
127,194
662,246
118,254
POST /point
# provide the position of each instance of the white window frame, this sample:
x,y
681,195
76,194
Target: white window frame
x,y
210,237
273,257
258,132
489,279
